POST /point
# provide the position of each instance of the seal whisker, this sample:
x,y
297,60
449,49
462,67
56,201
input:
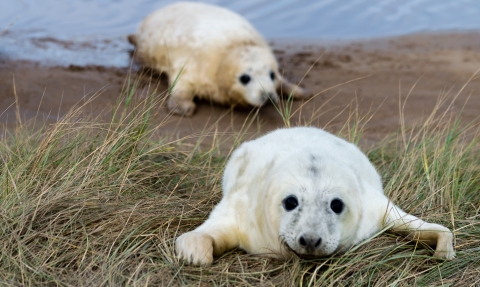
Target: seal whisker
x,y
287,247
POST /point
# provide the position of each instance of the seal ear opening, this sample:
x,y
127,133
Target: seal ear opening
x,y
133,39
286,89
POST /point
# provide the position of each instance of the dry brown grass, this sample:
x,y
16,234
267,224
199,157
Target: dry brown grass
x,y
86,203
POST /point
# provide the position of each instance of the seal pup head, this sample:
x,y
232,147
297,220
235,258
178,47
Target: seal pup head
x,y
318,207
248,75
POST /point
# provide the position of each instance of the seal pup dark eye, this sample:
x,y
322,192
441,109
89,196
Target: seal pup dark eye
x,y
272,75
244,79
336,205
290,203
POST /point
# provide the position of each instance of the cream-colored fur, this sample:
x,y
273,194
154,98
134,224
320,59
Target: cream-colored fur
x,y
323,173
205,50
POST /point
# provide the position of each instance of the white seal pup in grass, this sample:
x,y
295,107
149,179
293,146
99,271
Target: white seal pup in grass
x,y
302,191
210,52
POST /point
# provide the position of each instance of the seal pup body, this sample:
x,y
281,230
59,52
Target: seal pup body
x,y
303,191
209,52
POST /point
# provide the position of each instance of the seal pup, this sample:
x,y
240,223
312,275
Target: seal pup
x,y
302,191
210,52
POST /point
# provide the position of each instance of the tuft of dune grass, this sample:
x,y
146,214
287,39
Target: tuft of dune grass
x,y
86,202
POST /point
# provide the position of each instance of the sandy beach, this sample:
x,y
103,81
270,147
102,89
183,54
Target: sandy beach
x,y
374,76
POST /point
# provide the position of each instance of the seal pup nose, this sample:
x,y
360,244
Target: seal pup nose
x,y
264,97
309,242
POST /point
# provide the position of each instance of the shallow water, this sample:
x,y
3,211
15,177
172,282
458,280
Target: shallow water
x,y
80,31
275,19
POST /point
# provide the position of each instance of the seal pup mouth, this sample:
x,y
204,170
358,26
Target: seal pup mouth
x,y
309,255
299,255
287,247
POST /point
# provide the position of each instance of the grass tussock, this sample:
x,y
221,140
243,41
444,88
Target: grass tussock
x,y
85,202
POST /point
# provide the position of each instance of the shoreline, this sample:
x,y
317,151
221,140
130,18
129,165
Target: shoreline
x,y
371,74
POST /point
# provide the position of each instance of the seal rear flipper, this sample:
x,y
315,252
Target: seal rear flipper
x,y
133,39
416,229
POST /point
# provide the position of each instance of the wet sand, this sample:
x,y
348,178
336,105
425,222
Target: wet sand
x,y
373,75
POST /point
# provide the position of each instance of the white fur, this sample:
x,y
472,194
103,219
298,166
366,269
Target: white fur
x,y
315,167
208,48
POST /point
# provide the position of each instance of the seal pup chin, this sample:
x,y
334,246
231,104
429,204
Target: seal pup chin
x,y
302,191
212,53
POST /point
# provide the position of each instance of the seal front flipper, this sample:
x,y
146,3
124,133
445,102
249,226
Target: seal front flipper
x,y
416,229
214,237
195,248
288,89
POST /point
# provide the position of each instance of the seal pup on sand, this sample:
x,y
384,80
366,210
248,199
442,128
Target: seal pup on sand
x,y
210,52
303,191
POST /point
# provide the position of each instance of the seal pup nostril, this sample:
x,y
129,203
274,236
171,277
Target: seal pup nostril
x,y
272,97
263,97
302,241
268,96
318,242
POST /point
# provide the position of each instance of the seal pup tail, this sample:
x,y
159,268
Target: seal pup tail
x,y
133,39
